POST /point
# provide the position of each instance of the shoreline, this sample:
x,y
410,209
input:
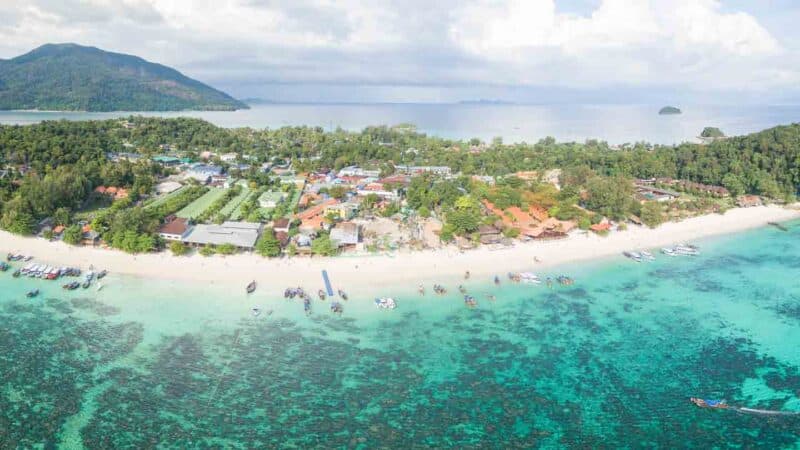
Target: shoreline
x,y
409,268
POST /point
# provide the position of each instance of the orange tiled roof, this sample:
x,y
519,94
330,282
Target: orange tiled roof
x,y
100,189
316,210
603,226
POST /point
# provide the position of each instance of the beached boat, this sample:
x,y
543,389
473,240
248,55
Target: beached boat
x,y
251,287
647,255
342,294
71,286
565,280
33,293
321,294
102,274
86,284
633,255
529,278
385,303
668,251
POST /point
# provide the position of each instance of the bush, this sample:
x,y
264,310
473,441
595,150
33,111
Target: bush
x,y
73,235
511,232
584,223
652,214
207,250
177,248
226,249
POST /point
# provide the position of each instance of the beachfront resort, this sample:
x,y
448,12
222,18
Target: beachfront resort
x,y
307,192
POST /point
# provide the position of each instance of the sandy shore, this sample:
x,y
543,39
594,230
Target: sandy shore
x,y
402,268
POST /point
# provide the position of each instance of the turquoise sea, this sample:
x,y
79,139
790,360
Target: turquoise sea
x,y
616,124
607,363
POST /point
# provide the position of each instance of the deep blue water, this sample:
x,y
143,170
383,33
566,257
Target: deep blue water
x,y
616,124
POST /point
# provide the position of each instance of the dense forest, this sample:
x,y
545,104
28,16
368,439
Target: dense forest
x,y
53,166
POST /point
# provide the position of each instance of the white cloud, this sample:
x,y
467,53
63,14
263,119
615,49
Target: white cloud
x,y
695,44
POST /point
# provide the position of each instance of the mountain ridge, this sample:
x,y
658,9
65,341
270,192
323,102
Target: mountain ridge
x,y
72,77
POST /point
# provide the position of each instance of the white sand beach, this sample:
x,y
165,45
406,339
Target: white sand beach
x,y
402,268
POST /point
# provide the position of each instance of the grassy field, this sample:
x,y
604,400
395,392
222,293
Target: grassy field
x,y
159,200
232,210
197,207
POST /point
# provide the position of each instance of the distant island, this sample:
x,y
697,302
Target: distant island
x,y
668,110
484,101
70,77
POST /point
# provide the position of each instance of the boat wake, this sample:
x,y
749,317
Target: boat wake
x,y
766,412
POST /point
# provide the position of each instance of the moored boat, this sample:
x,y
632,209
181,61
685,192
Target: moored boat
x,y
337,308
251,287
385,303
33,293
470,301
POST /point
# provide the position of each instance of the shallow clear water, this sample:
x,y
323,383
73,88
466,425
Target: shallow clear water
x,y
608,362
616,124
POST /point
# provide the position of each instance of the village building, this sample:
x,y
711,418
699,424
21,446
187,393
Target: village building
x,y
168,161
414,170
271,199
346,234
203,172
167,187
176,229
242,235
489,235
646,192
748,201
355,171
228,157
343,210
281,225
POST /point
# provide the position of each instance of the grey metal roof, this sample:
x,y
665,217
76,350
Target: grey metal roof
x,y
240,234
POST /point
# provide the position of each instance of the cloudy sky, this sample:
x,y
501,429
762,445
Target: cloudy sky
x,y
442,50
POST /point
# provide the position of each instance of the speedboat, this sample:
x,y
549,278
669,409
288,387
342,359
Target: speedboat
x,y
251,287
669,251
706,403
647,255
385,303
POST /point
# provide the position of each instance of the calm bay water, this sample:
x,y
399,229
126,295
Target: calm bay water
x,y
616,124
608,362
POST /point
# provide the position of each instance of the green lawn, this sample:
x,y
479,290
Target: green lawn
x,y
233,209
159,200
197,207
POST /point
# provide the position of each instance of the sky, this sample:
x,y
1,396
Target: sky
x,y
537,51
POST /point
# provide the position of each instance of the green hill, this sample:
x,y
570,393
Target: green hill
x,y
70,77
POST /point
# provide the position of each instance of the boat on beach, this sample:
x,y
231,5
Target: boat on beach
x,y
633,256
342,294
251,287
564,280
